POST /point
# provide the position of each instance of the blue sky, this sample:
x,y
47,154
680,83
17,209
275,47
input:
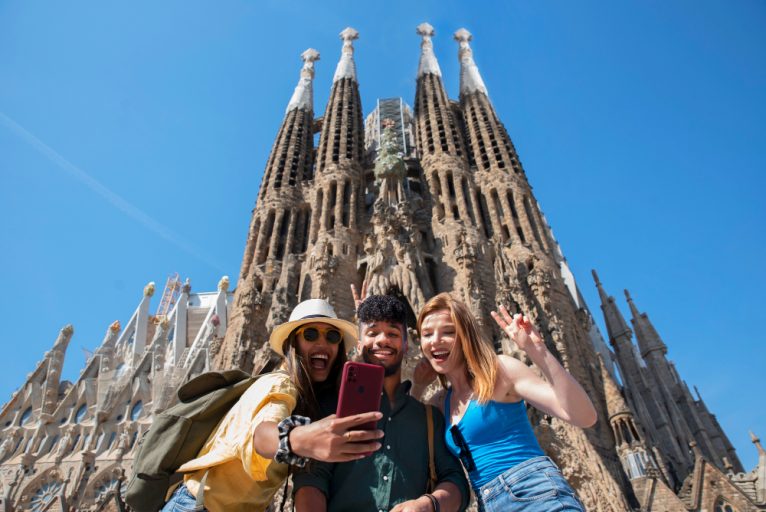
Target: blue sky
x,y
133,138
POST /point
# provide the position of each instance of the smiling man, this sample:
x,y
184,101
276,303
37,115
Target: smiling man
x,y
394,478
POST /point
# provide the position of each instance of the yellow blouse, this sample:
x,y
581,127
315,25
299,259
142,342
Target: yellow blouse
x,y
238,478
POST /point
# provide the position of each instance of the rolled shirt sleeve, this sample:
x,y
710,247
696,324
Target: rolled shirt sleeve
x,y
275,410
270,398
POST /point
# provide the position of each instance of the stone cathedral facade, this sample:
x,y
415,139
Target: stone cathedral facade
x,y
414,202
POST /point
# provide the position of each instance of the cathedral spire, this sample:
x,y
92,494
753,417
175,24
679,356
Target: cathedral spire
x,y
346,67
470,79
616,325
303,97
437,130
428,62
646,335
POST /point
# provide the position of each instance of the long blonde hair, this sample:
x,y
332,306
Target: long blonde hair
x,y
480,357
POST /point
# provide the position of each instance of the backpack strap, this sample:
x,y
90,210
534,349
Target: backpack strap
x,y
284,491
200,503
431,465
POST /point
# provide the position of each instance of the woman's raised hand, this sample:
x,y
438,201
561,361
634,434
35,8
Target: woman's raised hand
x,y
357,299
424,374
520,329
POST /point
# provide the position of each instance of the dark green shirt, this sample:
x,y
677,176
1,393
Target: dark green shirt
x,y
397,472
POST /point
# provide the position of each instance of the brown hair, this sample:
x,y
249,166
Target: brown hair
x,y
481,359
308,403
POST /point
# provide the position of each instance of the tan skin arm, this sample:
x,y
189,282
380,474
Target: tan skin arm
x,y
446,493
310,499
330,439
559,394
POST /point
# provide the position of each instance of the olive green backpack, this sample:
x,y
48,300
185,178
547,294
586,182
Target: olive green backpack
x,y
178,434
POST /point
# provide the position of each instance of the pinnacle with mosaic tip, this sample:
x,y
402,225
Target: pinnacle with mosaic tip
x,y
425,29
470,79
346,67
303,96
349,34
310,55
428,63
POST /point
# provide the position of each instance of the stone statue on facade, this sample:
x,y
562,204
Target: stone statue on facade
x,y
8,444
63,447
390,169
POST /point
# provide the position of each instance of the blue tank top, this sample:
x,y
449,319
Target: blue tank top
x,y
498,436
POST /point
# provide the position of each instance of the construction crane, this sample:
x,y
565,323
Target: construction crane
x,y
169,296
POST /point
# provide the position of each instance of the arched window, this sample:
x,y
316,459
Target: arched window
x,y
25,417
81,412
51,445
100,440
112,437
136,411
75,443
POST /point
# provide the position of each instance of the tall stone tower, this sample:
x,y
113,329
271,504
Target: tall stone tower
x,y
458,214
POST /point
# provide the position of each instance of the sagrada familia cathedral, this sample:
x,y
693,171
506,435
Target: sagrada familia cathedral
x,y
415,202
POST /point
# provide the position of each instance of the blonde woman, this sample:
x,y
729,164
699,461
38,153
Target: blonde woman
x,y
484,406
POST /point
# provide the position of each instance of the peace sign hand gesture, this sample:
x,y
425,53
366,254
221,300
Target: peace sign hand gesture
x,y
357,299
520,329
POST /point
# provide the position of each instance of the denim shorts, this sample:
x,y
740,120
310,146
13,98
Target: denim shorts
x,y
182,501
535,485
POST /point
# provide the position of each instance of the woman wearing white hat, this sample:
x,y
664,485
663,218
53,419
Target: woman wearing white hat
x,y
246,458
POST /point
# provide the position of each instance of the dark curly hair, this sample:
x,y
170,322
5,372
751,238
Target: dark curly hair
x,y
383,308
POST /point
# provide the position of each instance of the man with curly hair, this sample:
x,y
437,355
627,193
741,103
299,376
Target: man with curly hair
x,y
395,477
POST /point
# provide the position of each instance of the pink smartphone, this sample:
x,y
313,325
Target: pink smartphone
x,y
360,389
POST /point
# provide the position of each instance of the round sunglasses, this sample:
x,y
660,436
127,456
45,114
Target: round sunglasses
x,y
311,334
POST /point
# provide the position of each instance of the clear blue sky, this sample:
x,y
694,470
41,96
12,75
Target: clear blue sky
x,y
133,138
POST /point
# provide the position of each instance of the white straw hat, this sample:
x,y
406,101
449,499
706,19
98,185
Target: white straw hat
x,y
308,312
